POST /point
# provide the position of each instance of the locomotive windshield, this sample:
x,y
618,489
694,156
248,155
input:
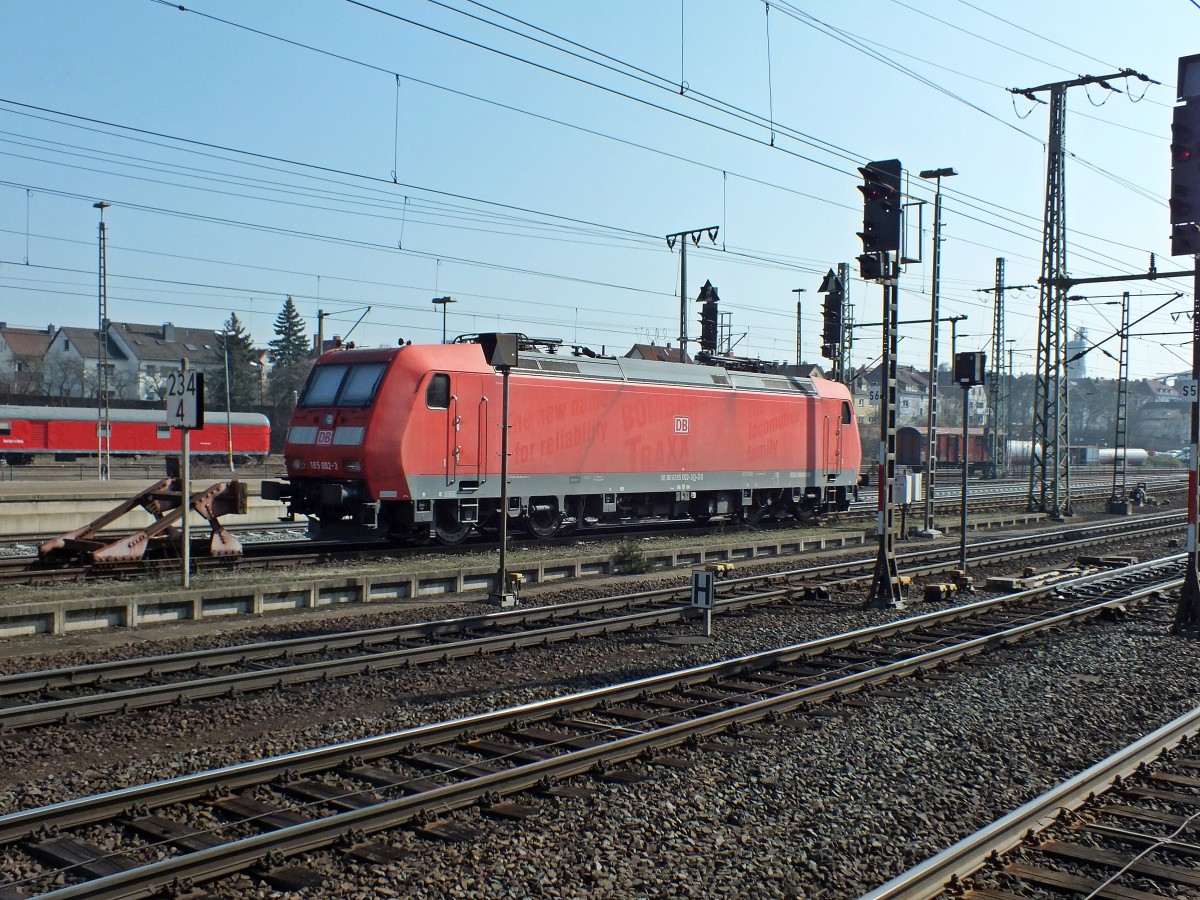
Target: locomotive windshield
x,y
343,385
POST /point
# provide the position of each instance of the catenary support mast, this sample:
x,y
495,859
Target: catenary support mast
x,y
998,458
683,237
1120,431
843,368
1049,469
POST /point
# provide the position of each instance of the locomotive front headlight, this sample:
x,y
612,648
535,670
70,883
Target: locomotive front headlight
x,y
353,465
297,464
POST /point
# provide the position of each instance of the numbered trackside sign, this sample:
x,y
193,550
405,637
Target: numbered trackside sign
x,y
185,399
1186,387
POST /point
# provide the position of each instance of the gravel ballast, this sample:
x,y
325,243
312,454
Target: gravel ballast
x,y
826,808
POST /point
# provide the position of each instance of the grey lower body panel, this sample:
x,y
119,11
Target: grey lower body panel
x,y
440,488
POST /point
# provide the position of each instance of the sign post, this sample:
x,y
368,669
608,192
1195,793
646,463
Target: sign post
x,y
704,584
185,411
502,352
970,369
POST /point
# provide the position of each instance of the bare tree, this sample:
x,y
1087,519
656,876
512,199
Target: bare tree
x,y
28,376
156,384
70,377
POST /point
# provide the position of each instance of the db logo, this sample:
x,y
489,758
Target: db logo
x,y
681,425
324,437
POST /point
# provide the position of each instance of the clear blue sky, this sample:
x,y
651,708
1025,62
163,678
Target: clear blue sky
x,y
272,154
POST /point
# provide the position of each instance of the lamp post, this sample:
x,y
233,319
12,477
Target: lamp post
x,y
262,371
935,298
443,302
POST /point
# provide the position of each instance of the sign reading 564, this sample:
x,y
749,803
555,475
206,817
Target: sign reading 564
x,y
184,395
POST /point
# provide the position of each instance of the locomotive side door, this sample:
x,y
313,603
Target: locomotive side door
x,y
845,418
466,432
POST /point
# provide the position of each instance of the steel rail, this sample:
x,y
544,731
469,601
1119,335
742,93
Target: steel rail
x,y
25,715
14,569
936,874
321,832
152,665
99,806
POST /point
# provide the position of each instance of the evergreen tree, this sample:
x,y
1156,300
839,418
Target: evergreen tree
x,y
291,337
291,358
233,340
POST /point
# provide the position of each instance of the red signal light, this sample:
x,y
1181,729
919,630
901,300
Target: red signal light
x,y
881,205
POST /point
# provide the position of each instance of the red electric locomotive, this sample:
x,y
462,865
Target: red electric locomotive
x,y
65,433
405,442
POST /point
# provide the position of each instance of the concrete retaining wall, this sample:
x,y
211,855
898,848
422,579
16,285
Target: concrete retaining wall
x,y
140,610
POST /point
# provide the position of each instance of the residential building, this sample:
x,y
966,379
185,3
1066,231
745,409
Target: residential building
x,y
912,395
21,357
158,349
654,352
139,356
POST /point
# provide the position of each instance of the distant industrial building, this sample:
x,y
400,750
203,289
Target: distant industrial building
x,y
1076,358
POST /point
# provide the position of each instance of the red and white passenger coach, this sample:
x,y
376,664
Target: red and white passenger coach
x,y
405,443
57,432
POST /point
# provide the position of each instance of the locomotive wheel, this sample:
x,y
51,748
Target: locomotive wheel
x,y
446,526
543,523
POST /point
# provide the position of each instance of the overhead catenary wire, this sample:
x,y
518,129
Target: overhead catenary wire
x,y
845,204
650,77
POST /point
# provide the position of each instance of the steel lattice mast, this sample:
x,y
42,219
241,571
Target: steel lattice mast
x,y
1000,393
999,439
843,369
1049,469
103,423
1120,431
1048,463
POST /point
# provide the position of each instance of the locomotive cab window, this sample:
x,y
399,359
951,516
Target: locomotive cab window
x,y
322,387
343,385
847,416
360,384
437,395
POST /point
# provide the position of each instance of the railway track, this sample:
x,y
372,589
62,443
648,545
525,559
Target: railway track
x,y
27,569
1130,818
33,699
255,816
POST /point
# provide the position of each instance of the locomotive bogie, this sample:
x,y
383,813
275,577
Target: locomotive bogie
x,y
414,449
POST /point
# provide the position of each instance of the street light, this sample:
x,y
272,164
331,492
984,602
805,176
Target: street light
x,y
262,371
443,302
931,415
